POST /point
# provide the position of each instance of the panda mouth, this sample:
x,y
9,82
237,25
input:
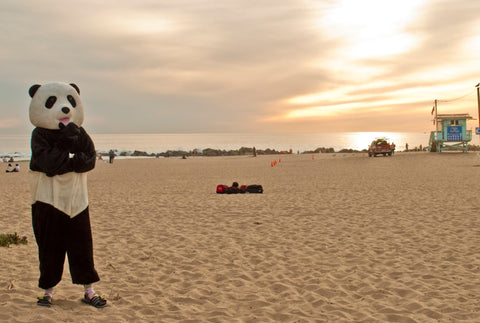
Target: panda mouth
x,y
65,121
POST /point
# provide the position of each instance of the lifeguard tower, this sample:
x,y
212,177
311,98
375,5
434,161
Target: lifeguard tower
x,y
451,133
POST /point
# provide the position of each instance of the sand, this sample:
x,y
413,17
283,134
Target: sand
x,y
334,238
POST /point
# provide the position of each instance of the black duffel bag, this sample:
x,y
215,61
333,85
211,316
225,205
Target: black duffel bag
x,y
254,189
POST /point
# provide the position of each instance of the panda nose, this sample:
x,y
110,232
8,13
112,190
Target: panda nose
x,y
65,110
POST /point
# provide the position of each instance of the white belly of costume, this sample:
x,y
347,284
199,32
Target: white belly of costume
x,y
66,192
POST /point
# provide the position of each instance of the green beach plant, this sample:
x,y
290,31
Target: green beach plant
x,y
6,239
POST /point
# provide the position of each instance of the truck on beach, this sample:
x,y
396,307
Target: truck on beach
x,y
380,147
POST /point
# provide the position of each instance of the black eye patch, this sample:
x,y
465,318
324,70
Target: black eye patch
x,y
71,99
50,102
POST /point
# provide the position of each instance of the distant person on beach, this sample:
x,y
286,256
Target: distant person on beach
x,y
16,169
111,156
11,160
4,160
9,169
406,146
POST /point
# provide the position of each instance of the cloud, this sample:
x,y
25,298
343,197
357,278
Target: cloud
x,y
187,66
393,80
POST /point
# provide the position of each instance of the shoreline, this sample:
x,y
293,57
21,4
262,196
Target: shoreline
x,y
162,142
208,152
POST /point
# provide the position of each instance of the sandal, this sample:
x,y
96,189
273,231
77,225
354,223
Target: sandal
x,y
45,300
95,301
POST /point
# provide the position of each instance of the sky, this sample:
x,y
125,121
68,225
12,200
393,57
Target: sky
x,y
244,66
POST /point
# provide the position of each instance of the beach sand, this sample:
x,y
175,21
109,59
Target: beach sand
x,y
334,238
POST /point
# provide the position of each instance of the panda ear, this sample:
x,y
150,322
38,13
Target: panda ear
x,y
33,89
75,87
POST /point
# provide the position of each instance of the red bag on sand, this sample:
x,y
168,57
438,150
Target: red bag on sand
x,y
221,189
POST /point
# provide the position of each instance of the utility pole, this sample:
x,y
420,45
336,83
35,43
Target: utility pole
x,y
436,121
478,103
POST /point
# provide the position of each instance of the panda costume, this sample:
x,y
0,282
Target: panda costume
x,y
62,154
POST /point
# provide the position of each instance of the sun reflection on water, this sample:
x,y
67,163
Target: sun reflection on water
x,y
361,140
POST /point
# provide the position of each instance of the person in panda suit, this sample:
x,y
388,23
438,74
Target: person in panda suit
x,y
62,154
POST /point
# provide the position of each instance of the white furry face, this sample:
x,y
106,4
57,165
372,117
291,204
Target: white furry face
x,y
55,103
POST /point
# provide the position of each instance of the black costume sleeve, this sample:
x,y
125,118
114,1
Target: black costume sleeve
x,y
50,156
84,153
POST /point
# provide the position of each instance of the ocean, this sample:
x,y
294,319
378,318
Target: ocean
x,y
19,145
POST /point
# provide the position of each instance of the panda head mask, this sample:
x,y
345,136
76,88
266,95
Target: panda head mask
x,y
55,103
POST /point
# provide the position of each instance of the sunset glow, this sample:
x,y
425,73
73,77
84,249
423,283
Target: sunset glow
x,y
372,28
145,24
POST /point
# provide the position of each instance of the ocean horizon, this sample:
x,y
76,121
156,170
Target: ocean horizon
x,y
19,145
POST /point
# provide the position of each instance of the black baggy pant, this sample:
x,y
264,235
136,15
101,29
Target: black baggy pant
x,y
57,234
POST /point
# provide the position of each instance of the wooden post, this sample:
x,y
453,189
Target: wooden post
x,y
436,120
